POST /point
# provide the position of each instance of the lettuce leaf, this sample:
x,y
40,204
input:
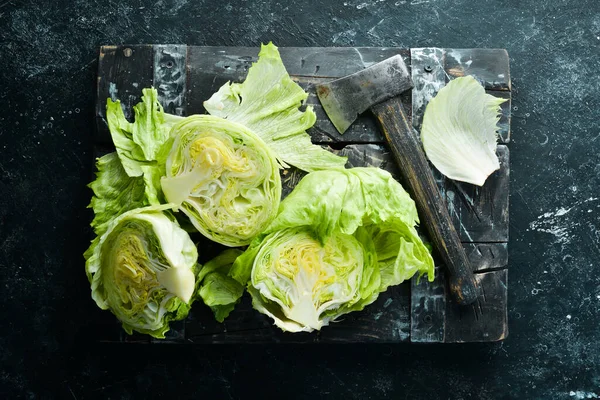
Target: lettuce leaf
x,y
459,131
216,288
115,192
138,143
339,239
268,102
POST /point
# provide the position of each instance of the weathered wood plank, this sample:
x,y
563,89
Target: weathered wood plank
x,y
487,319
487,256
170,77
490,66
480,214
325,62
386,320
428,78
428,308
123,71
505,117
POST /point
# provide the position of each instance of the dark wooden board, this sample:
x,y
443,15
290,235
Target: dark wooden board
x,y
417,311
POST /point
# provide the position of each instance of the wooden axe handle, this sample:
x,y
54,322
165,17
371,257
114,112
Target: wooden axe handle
x,y
433,212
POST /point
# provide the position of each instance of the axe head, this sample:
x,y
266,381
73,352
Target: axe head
x,y
345,98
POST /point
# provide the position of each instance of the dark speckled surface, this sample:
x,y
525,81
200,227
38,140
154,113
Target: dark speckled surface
x,y
48,55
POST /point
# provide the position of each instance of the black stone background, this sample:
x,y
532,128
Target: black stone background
x,y
48,61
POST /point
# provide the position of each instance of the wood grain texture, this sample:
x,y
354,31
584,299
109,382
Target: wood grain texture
x,y
480,214
484,321
170,77
116,81
428,77
428,309
490,66
505,117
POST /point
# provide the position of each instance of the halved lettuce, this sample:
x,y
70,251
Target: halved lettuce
x,y
223,177
268,102
142,270
459,131
339,239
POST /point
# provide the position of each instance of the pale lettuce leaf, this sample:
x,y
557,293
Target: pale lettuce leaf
x,y
459,131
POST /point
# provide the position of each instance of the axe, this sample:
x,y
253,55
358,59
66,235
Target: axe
x,y
377,88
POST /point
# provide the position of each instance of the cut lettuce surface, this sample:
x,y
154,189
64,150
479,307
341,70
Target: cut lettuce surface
x,y
223,177
339,239
142,269
268,102
459,131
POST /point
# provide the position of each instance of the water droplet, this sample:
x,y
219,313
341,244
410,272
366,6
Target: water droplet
x,y
77,110
39,97
70,112
39,110
49,125
42,102
515,108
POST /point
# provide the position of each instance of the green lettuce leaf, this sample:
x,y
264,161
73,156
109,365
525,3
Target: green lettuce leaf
x,y
115,192
142,269
459,131
340,238
216,288
268,102
138,143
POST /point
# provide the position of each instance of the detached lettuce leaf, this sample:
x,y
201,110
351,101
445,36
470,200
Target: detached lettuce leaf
x,y
339,239
115,192
138,143
142,269
459,131
216,288
268,102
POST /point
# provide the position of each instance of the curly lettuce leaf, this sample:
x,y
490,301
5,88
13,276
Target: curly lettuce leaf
x,y
138,143
115,192
459,131
268,102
